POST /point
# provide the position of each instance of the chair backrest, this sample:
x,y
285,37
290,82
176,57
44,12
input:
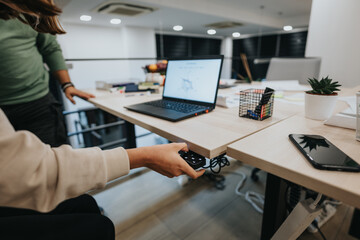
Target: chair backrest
x,y
293,69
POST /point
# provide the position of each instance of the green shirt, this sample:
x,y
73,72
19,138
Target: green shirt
x,y
23,52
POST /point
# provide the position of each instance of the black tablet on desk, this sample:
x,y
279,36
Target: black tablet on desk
x,y
322,154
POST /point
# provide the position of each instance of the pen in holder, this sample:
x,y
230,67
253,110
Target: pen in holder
x,y
256,104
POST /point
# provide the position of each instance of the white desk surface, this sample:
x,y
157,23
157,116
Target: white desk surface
x,y
272,151
207,134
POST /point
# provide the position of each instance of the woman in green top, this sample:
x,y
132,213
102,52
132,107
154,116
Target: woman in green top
x,y
24,80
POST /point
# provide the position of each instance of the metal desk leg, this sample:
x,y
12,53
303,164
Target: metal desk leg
x,y
130,135
355,223
275,206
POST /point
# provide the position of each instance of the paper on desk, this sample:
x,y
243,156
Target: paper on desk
x,y
342,120
297,98
245,86
228,100
285,85
351,101
281,85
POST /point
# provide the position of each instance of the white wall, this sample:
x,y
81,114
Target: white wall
x,y
83,41
89,41
334,35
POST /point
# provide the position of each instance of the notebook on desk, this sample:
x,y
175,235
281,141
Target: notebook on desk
x,y
190,89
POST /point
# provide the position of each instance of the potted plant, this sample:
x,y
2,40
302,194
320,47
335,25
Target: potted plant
x,y
321,100
156,72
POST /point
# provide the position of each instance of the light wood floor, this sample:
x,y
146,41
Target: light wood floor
x,y
146,205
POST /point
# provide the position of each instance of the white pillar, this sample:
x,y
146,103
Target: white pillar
x,y
334,35
226,50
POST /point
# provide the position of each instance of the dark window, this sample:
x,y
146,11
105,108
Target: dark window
x,y
172,46
293,44
268,46
276,45
247,45
205,46
168,46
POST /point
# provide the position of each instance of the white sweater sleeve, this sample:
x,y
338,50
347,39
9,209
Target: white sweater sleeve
x,y
33,175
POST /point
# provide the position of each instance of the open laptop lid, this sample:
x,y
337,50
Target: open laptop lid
x,y
193,80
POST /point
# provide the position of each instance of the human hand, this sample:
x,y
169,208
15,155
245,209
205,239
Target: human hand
x,y
71,92
163,159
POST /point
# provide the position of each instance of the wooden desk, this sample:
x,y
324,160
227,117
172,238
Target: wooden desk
x,y
264,145
207,134
280,157
272,151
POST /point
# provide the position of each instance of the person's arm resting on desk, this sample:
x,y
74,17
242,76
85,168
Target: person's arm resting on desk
x,y
34,175
52,55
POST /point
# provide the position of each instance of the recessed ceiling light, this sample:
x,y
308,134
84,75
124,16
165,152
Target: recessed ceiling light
x,y
115,21
288,28
211,31
178,28
236,34
85,18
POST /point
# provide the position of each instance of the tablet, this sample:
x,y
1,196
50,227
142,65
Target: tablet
x,y
322,154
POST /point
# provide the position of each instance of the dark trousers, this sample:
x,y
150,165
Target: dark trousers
x,y
77,218
43,117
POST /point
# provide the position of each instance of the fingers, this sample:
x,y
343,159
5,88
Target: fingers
x,y
91,95
83,95
191,172
186,167
75,92
195,174
200,173
68,96
182,146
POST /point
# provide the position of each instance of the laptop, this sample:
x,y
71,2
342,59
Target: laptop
x,y
190,89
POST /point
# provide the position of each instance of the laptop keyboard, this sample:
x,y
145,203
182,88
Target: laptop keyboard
x,y
177,106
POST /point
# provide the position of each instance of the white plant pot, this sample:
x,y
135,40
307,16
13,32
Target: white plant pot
x,y
319,107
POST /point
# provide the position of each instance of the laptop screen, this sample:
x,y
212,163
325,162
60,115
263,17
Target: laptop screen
x,y
195,79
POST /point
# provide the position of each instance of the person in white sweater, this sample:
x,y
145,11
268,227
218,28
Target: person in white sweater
x,y
41,188
35,176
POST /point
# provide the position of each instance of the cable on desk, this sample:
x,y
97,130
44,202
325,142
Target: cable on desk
x,y
217,163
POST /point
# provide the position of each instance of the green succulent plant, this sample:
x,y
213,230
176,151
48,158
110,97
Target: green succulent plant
x,y
324,87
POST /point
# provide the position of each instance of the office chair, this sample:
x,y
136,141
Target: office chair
x,y
293,69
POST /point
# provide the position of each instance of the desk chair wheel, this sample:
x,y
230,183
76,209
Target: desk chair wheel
x,y
254,175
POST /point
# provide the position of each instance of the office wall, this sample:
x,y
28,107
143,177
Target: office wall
x,y
334,35
88,41
83,42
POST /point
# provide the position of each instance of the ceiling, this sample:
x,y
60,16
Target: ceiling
x,y
255,15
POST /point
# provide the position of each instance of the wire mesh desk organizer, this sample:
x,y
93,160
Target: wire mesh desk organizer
x,y
256,104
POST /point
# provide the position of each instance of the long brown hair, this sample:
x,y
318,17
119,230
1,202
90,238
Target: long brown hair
x,y
41,15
